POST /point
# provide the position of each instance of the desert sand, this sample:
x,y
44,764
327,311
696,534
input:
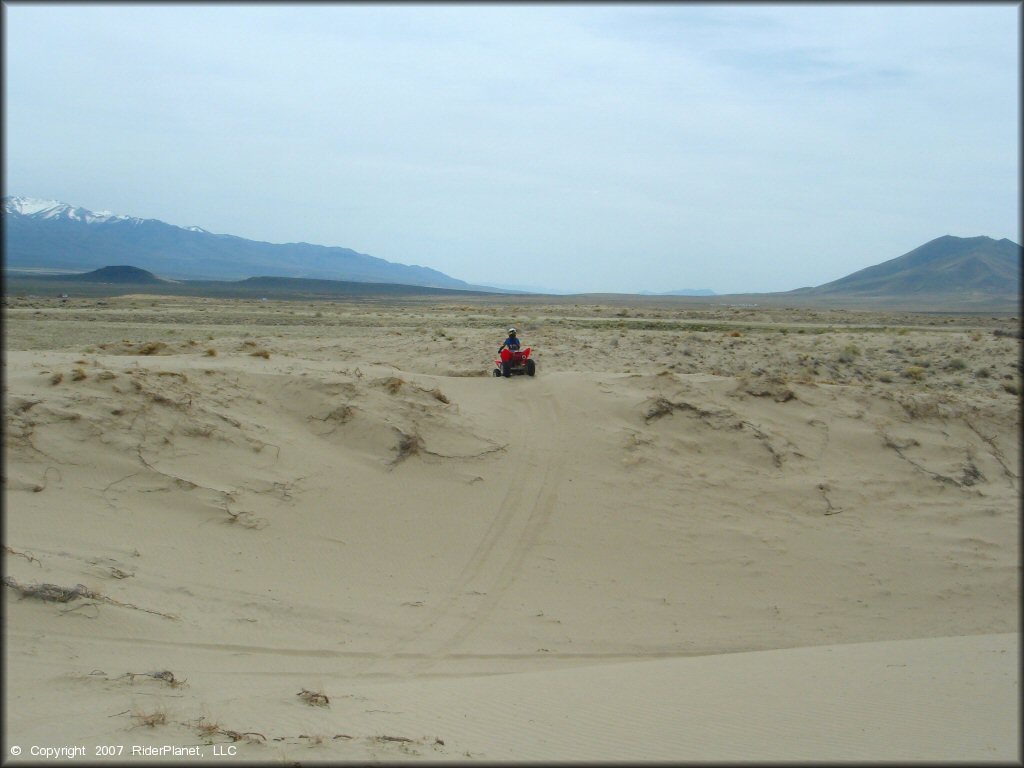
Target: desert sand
x,y
292,532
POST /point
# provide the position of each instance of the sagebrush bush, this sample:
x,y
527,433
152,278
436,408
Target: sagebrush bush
x,y
914,372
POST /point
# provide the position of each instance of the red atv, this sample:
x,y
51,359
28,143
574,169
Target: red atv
x,y
517,362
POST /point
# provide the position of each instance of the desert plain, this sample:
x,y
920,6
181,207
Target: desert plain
x,y
302,531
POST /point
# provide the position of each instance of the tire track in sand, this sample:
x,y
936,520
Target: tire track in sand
x,y
524,510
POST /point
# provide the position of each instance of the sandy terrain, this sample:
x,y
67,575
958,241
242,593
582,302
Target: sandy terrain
x,y
305,531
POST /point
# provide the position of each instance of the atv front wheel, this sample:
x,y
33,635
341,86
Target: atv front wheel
x,y
531,367
497,373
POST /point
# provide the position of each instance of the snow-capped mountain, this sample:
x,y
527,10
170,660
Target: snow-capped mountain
x,y
54,209
54,235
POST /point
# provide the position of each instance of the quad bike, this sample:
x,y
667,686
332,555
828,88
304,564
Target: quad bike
x,y
514,363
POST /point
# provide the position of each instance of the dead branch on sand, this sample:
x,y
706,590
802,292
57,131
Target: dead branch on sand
x,y
166,675
30,558
56,594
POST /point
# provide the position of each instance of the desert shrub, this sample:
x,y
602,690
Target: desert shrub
x,y
956,364
982,373
152,347
1012,388
78,374
211,352
260,353
848,354
886,376
914,372
57,378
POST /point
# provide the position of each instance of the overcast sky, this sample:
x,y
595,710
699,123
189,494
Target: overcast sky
x,y
600,147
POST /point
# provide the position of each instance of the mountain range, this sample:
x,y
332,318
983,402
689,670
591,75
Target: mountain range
x,y
48,234
956,273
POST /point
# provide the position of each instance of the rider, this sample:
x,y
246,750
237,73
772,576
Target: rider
x,y
512,345
512,342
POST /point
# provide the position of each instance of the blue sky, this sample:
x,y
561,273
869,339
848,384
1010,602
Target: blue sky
x,y
604,147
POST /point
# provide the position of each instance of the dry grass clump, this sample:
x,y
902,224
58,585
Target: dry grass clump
x,y
152,347
956,364
150,719
260,353
314,698
106,375
439,395
982,373
57,378
848,354
208,730
394,384
915,372
408,445
211,352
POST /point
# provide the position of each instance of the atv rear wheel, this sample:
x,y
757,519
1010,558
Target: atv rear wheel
x,y
497,373
531,367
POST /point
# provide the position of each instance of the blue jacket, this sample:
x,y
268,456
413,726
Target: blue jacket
x,y
512,342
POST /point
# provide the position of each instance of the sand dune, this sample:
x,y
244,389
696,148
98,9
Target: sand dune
x,y
669,545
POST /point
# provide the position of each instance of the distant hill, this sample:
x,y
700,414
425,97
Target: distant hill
x,y
118,281
953,266
123,274
54,235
